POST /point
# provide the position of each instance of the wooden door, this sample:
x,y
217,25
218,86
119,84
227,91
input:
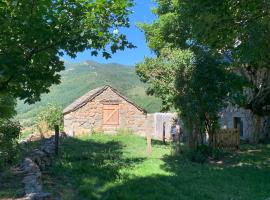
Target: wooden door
x,y
238,124
110,115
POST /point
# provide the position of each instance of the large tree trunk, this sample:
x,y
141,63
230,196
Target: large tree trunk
x,y
191,144
257,130
193,138
268,128
177,150
211,137
258,95
209,130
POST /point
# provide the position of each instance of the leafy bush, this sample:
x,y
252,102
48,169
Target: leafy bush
x,y
204,152
49,117
9,133
7,106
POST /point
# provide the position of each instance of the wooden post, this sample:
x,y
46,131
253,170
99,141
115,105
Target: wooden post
x,y
177,150
149,145
56,128
163,133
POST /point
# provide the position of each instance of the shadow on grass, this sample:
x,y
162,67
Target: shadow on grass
x,y
229,180
85,167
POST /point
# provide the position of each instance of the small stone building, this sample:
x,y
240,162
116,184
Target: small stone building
x,y
236,117
104,109
159,123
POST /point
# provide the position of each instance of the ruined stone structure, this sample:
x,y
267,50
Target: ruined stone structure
x,y
236,117
158,121
104,109
232,116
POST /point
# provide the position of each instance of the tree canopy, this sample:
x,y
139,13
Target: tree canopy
x,y
34,34
197,85
7,106
238,30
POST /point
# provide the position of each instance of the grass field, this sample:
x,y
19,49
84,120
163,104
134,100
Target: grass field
x,y
116,167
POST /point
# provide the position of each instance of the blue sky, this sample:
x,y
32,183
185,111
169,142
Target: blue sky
x,y
142,13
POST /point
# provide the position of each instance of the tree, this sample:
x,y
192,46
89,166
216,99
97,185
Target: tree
x,y
34,34
50,116
197,85
7,106
239,30
9,132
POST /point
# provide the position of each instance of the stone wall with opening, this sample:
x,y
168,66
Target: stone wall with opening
x,y
90,117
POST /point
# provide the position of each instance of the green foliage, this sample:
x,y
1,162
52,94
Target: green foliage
x,y
195,84
50,116
79,78
9,133
161,73
11,184
238,30
204,153
34,34
7,106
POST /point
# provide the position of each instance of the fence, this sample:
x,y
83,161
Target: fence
x,y
227,138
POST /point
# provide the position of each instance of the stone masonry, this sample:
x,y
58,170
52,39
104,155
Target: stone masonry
x,y
88,116
32,166
228,115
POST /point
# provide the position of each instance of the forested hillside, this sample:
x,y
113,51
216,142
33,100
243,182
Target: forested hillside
x,y
79,78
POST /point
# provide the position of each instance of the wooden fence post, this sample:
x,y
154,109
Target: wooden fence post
x,y
56,128
177,150
149,145
163,133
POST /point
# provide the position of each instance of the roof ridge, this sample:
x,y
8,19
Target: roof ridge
x,y
90,95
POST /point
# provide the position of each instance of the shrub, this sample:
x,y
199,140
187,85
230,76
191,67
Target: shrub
x,y
9,134
49,117
203,153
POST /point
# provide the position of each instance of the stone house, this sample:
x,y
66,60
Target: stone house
x,y
237,117
233,116
104,109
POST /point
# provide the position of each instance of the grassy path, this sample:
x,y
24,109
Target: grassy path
x,y
116,167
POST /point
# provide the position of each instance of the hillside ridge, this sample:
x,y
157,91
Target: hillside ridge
x,y
81,77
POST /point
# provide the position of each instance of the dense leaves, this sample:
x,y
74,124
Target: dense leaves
x,y
7,106
9,133
197,85
50,116
34,34
161,73
239,30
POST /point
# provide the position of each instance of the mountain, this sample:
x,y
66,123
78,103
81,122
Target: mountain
x,y
79,78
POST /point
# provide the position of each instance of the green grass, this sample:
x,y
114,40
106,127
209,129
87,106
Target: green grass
x,y
117,167
11,177
10,184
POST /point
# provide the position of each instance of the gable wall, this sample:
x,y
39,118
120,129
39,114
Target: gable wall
x,y
227,120
89,117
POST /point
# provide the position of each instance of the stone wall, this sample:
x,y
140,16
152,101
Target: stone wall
x,y
247,118
155,124
89,117
32,166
